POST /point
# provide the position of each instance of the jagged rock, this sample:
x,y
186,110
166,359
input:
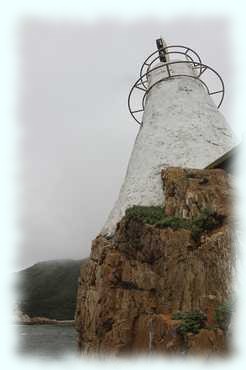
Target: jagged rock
x,y
207,342
157,333
136,280
189,191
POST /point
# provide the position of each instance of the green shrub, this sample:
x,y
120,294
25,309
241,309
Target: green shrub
x,y
149,215
223,315
207,220
191,322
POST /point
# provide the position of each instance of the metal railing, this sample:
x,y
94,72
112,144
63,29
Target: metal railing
x,y
148,67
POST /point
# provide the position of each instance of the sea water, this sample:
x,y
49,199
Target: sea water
x,y
47,341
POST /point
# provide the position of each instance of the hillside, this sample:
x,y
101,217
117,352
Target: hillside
x,y
49,288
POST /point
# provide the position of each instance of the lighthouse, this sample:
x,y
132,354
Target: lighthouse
x,y
170,259
175,101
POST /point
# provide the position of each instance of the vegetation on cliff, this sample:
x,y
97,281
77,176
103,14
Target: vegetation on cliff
x,y
223,314
191,322
194,321
207,220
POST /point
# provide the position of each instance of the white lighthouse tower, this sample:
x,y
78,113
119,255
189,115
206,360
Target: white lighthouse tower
x,y
175,101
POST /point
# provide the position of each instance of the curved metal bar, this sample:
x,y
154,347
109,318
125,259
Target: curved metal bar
x,y
206,67
129,104
175,46
167,78
164,64
202,66
187,50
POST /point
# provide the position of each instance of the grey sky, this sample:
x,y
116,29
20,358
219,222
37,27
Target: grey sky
x,y
77,133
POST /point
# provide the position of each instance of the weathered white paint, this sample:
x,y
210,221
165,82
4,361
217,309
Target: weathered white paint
x,y
181,127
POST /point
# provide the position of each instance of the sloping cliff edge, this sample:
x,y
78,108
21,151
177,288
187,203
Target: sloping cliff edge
x,y
157,285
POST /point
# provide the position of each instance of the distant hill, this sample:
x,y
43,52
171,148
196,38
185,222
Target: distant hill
x,y
49,289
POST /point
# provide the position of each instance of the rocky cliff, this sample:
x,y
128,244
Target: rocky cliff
x,y
159,283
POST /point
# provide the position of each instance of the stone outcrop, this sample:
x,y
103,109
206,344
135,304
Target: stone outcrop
x,y
138,279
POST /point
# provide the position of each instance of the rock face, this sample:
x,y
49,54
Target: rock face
x,y
137,280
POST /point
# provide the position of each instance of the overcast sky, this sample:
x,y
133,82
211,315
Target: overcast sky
x,y
77,133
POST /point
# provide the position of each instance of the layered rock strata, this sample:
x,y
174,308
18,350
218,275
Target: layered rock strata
x,y
137,280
